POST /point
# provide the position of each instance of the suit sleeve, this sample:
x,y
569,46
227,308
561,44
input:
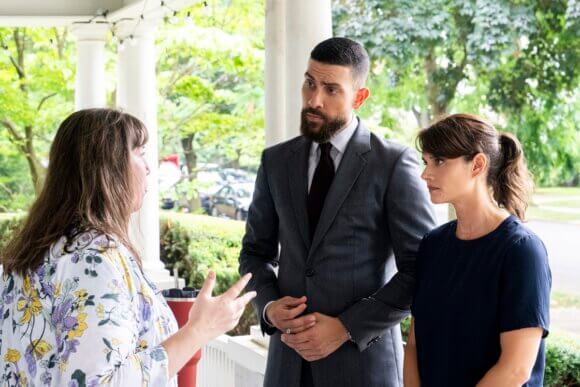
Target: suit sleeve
x,y
410,216
259,254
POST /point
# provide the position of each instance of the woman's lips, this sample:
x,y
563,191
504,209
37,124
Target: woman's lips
x,y
431,189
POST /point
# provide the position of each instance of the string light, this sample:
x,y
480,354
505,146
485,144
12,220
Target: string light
x,y
188,18
131,38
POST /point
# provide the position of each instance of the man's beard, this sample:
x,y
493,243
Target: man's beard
x,y
327,128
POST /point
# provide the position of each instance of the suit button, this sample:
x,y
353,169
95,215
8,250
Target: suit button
x,y
310,272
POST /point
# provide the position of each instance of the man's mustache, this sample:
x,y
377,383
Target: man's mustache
x,y
315,112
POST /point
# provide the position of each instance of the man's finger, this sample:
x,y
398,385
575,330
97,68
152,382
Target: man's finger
x,y
292,301
297,338
238,287
290,314
302,328
309,352
299,322
207,288
304,347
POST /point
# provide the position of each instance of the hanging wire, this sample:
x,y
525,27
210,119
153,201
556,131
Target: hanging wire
x,y
132,36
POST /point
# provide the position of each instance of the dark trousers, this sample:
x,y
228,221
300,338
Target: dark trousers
x,y
306,375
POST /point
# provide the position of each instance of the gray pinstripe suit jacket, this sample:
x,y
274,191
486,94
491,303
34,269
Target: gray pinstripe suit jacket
x,y
375,214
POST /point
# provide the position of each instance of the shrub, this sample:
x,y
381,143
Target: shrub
x,y
193,244
8,224
562,362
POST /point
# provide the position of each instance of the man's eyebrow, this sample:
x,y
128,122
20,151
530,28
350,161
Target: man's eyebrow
x,y
333,84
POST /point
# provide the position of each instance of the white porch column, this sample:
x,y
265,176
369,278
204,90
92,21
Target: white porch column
x,y
90,76
275,103
137,95
293,28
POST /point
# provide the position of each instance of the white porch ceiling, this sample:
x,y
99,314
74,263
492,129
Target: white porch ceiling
x,y
47,13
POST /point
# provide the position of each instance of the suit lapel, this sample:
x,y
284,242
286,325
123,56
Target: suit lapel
x,y
351,165
298,185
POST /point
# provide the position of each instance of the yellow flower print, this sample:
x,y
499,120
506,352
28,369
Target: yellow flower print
x,y
29,304
12,356
41,348
22,379
142,345
81,295
100,311
80,327
57,289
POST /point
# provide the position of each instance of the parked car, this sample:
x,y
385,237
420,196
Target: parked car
x,y
232,201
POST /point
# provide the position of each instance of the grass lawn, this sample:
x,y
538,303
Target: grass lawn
x,y
558,191
563,300
556,204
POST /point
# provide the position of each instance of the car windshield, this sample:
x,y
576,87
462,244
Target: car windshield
x,y
245,191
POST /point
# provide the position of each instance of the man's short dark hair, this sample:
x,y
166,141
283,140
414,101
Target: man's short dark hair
x,y
343,52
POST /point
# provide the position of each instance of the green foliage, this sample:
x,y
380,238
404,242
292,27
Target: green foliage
x,y
194,244
36,93
513,62
212,105
8,224
16,188
562,363
551,139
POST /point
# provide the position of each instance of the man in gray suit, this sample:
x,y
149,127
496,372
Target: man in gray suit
x,y
340,213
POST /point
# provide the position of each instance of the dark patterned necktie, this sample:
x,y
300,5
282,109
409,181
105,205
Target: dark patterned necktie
x,y
323,176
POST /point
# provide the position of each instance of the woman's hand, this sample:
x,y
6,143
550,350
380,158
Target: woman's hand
x,y
211,316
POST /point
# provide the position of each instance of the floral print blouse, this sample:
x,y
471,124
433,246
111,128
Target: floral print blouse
x,y
88,316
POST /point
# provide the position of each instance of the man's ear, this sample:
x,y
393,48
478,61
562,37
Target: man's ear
x,y
361,96
479,164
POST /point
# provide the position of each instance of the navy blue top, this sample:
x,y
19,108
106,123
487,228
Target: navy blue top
x,y
470,291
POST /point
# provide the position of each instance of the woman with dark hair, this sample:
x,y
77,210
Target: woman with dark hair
x,y
481,307
77,309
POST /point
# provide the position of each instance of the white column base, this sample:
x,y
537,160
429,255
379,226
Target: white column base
x,y
164,280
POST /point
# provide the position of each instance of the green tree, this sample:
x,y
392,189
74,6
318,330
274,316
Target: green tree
x,y
211,88
513,60
36,74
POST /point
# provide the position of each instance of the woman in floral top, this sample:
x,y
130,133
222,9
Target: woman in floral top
x,y
77,308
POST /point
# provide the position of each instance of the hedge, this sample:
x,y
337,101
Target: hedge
x,y
196,243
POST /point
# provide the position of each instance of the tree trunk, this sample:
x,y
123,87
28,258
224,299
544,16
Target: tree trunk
x,y
422,117
191,162
438,102
37,171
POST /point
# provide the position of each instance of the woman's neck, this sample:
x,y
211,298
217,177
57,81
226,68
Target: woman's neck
x,y
478,215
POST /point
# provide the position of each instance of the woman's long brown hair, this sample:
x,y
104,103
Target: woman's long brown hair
x,y
89,186
466,135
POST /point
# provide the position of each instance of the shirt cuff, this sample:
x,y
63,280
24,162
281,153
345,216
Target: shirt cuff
x,y
264,317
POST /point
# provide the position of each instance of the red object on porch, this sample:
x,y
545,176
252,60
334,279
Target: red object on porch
x,y
187,377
